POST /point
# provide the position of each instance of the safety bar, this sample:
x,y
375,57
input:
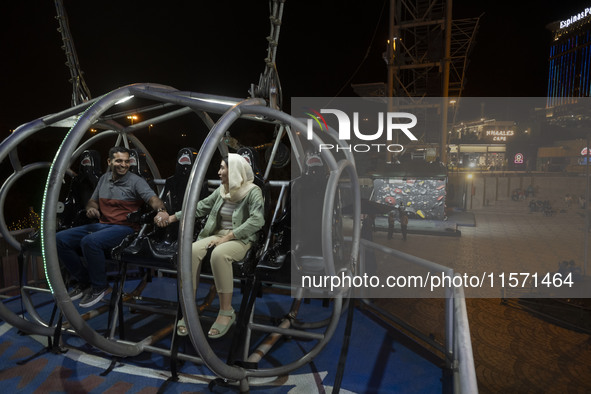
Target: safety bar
x,y
458,346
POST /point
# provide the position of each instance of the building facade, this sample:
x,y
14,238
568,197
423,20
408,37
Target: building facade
x,y
569,88
480,144
569,74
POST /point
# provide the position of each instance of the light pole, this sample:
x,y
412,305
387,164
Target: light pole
x,y
586,228
465,197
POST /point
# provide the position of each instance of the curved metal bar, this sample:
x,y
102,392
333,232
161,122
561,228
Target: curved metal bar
x,y
5,313
336,169
463,354
134,140
48,225
89,142
188,306
308,357
217,104
30,307
149,159
53,119
26,291
119,129
347,164
24,325
14,160
327,212
6,186
8,147
195,102
296,125
185,279
158,119
134,111
332,133
30,327
63,157
25,130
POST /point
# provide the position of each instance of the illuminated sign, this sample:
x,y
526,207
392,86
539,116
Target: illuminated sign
x,y
575,18
518,158
499,135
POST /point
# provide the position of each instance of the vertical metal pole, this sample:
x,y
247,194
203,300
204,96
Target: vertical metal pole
x,y
484,178
391,53
586,229
274,151
465,195
362,269
449,325
471,190
446,66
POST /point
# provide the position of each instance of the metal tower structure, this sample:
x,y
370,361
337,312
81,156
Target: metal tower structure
x,y
269,86
422,47
426,56
80,92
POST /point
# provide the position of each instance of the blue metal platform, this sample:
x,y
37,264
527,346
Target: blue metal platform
x,y
377,362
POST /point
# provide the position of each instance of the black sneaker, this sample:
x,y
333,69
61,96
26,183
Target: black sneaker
x,y
93,296
78,291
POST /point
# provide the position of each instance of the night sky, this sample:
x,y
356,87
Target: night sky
x,y
218,48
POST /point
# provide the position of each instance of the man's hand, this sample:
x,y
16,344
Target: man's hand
x,y
93,213
162,219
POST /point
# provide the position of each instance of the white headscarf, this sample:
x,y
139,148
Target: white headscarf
x,y
240,179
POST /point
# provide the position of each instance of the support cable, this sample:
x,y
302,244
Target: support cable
x,y
269,86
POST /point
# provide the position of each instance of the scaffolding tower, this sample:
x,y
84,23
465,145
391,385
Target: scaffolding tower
x,y
426,56
80,91
417,51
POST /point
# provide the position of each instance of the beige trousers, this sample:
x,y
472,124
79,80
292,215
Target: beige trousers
x,y
222,257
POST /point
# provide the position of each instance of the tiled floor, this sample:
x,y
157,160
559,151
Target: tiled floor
x,y
515,350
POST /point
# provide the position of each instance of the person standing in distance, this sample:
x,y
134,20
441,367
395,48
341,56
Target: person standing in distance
x,y
403,222
390,224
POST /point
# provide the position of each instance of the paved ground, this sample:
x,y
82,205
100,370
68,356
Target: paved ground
x,y
516,348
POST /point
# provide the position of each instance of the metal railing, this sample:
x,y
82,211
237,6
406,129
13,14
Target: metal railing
x,y
457,346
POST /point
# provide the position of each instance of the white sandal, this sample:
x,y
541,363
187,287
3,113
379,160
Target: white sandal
x,y
222,329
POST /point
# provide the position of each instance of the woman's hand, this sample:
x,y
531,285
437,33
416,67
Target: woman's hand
x,y
218,241
162,219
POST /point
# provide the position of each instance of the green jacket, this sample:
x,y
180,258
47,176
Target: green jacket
x,y
247,219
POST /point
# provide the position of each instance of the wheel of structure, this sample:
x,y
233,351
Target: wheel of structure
x,y
190,312
32,294
168,99
70,145
33,323
31,249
